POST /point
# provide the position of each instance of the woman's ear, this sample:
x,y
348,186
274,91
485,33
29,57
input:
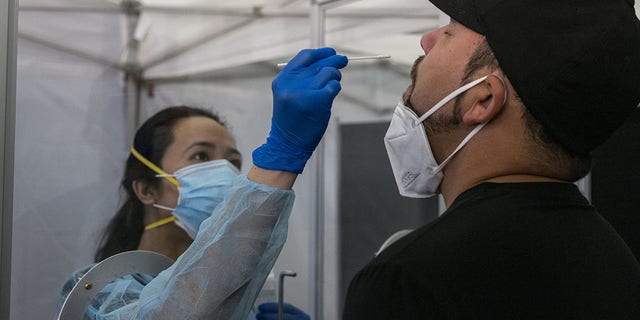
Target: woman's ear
x,y
488,100
145,193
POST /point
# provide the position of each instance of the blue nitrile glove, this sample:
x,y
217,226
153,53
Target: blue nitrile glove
x,y
302,96
269,311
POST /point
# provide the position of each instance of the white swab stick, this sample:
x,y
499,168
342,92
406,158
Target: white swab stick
x,y
353,58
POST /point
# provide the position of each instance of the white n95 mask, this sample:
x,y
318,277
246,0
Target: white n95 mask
x,y
414,166
201,187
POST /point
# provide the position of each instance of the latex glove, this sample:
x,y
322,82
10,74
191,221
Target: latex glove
x,y
269,311
303,93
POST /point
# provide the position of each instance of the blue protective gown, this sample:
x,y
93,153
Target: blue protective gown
x,y
219,275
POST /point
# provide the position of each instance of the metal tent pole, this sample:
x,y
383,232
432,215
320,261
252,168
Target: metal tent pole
x,y
317,243
133,72
8,58
317,17
90,7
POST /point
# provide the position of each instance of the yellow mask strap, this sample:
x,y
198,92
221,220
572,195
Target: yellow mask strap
x,y
159,223
153,167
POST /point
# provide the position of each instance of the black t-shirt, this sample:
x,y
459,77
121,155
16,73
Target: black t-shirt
x,y
504,251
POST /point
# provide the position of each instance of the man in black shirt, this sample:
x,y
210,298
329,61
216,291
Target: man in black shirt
x,y
504,110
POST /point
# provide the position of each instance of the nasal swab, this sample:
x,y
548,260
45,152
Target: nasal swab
x,y
352,58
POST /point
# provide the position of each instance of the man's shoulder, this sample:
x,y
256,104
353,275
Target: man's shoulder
x,y
421,247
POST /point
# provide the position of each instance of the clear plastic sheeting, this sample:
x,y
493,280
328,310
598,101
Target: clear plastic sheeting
x,y
113,296
69,155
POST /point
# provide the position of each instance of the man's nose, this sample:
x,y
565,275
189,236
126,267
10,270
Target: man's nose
x,y
429,39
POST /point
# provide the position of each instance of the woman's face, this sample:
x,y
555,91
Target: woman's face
x,y
195,139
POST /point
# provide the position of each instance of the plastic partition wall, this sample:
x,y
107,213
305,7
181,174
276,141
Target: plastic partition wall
x,y
8,23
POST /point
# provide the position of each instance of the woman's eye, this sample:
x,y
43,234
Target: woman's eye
x,y
201,156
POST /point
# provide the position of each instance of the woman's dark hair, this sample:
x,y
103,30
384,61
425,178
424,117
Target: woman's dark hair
x,y
125,229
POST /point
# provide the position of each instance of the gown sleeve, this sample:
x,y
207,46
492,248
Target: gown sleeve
x,y
221,273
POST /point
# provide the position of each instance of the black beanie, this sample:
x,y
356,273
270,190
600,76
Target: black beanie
x,y
574,63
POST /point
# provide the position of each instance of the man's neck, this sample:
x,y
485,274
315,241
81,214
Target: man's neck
x,y
451,189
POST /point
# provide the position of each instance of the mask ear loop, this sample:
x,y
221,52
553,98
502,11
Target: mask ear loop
x,y
160,223
448,98
460,145
153,167
478,127
444,101
504,85
159,171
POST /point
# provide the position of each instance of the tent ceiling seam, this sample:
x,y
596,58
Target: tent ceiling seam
x,y
212,71
70,50
253,12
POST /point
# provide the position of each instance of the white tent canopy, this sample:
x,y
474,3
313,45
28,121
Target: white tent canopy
x,y
170,37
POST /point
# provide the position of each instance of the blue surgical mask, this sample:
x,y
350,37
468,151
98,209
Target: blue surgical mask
x,y
201,188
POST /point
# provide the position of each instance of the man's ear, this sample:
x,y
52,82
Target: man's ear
x,y
144,192
488,100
